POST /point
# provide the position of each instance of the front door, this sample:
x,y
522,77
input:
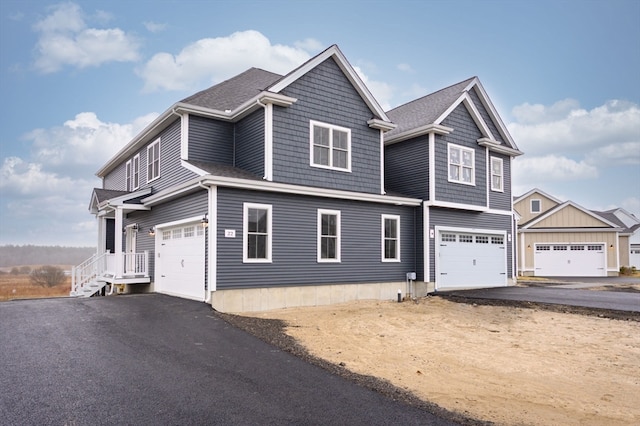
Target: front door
x,y
130,250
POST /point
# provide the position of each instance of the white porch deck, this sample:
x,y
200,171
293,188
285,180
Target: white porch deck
x,y
98,271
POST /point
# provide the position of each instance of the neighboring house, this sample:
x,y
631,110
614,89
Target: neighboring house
x,y
267,191
561,238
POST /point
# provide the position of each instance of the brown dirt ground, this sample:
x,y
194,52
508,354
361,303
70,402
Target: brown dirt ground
x,y
473,362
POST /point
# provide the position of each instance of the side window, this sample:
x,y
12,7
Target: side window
x,y
257,237
461,164
328,236
535,206
128,176
153,161
390,238
135,166
497,181
330,146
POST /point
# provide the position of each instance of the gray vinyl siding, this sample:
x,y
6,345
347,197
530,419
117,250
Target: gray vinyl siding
x,y
294,245
485,115
406,167
501,200
465,133
210,140
325,94
249,143
171,170
192,205
468,219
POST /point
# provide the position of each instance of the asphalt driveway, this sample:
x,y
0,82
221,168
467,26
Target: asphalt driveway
x,y
155,359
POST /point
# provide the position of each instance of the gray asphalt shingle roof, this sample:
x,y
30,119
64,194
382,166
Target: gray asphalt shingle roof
x,y
425,110
232,93
223,170
107,194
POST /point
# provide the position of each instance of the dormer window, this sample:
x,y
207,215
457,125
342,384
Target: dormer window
x,y
330,146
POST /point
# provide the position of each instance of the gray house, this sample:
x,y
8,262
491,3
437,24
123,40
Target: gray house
x,y
267,191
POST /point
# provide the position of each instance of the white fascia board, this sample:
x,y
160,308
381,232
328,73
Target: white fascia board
x,y
562,207
259,185
458,206
486,101
536,190
193,168
147,134
567,230
345,66
385,126
495,146
120,201
437,129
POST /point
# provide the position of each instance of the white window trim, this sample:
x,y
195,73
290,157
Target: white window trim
x,y
492,174
383,238
531,205
338,235
473,164
331,127
149,148
245,232
135,172
128,175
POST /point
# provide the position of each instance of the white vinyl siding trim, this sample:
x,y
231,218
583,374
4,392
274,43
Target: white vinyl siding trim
x,y
497,174
390,235
461,164
329,236
257,233
153,161
329,146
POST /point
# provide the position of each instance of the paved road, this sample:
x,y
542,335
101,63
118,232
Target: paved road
x,y
620,301
154,360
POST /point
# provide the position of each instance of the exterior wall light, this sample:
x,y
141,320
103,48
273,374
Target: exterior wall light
x,y
152,231
205,222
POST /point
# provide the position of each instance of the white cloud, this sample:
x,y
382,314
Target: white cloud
x,y
83,141
309,45
154,27
551,168
383,92
405,68
65,39
212,60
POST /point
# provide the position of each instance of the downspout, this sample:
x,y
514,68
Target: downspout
x,y
207,293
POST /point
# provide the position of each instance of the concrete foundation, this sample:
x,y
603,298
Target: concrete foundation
x,y
265,299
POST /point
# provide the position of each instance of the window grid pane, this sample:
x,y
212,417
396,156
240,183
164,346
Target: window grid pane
x,y
328,236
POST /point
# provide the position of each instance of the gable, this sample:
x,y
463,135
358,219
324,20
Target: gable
x,y
523,205
569,216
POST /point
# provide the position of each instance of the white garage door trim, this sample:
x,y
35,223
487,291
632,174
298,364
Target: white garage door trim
x,y
570,259
180,259
470,258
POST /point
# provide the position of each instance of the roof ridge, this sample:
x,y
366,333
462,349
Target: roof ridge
x,y
433,93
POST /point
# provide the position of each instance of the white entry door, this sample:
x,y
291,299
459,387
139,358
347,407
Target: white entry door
x,y
180,261
470,260
570,260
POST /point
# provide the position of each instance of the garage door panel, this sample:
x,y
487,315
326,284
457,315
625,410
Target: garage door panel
x,y
570,260
468,260
181,262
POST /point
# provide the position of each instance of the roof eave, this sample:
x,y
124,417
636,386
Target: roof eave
x,y
438,129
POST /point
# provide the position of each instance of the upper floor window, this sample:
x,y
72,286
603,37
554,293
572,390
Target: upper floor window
x,y
461,164
330,146
328,236
535,206
153,161
133,173
390,238
257,232
497,181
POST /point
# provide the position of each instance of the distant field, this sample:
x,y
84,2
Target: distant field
x,y
20,287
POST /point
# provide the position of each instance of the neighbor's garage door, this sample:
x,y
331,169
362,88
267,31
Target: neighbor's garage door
x,y
180,261
570,260
467,260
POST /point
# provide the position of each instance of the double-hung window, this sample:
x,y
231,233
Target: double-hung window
x,y
330,146
328,236
153,161
461,164
257,233
133,173
497,181
390,238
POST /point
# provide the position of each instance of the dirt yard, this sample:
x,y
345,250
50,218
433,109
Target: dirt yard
x,y
501,364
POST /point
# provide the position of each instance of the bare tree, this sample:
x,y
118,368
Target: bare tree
x,y
47,276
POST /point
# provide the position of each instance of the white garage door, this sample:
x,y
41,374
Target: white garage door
x,y
180,261
570,260
470,260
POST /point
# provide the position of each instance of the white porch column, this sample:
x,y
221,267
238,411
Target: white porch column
x,y
101,225
118,241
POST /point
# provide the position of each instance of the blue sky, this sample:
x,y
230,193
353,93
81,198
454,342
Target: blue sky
x,y
79,79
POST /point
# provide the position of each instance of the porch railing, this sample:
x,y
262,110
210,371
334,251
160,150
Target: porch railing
x,y
104,267
87,272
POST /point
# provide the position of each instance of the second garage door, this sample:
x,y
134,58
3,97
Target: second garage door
x,y
468,260
570,260
180,254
